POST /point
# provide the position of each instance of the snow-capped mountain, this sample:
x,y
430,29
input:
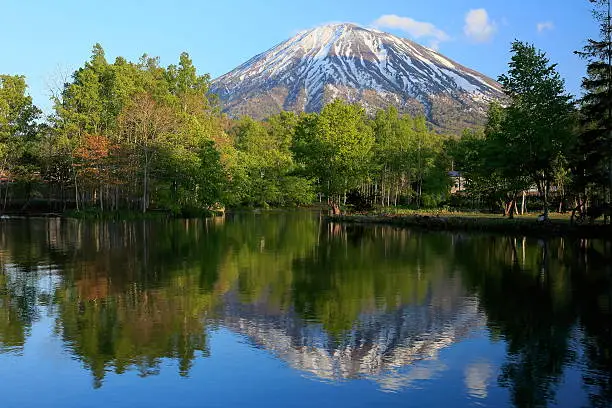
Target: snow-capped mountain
x,y
357,64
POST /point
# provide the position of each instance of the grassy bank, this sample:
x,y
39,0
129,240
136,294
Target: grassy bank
x,y
95,214
558,225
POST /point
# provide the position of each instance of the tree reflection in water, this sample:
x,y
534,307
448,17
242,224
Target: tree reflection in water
x,y
336,301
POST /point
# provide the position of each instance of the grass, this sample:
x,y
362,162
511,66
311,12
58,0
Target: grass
x,y
447,213
559,224
533,216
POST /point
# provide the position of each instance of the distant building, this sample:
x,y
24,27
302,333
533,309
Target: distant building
x,y
458,182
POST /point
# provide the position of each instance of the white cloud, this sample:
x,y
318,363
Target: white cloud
x,y
478,27
416,29
434,45
545,25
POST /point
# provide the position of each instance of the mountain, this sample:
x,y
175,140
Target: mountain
x,y
358,64
391,346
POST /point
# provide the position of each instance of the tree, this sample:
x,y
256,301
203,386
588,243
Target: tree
x,y
594,153
18,132
88,105
260,161
394,155
264,172
163,127
537,132
92,157
336,145
144,123
187,85
504,178
491,175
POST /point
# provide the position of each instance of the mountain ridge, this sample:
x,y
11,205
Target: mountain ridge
x,y
361,65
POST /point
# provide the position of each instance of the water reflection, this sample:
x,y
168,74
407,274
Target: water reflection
x,y
477,378
336,302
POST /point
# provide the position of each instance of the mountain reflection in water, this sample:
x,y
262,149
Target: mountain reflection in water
x,y
337,303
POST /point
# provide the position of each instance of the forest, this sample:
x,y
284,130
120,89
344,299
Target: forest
x,y
140,137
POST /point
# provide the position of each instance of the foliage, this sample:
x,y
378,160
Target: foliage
x,y
335,147
526,143
136,136
19,130
536,133
593,153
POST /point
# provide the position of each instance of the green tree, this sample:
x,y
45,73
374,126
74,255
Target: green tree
x,y
499,170
161,124
491,176
18,132
537,131
336,145
265,173
394,155
261,161
594,153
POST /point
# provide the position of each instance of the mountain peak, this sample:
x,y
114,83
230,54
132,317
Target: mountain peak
x,y
332,33
358,64
334,26
341,27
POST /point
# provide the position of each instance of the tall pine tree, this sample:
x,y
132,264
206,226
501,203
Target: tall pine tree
x,y
595,145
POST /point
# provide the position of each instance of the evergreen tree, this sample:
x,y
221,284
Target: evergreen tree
x,y
594,159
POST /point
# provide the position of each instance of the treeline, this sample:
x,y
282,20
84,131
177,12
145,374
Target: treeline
x,y
122,136
139,137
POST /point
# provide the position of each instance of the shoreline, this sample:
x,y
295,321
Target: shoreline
x,y
123,215
553,228
107,215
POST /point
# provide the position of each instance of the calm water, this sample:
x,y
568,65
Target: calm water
x,y
282,309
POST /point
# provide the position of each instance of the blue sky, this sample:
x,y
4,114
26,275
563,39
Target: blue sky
x,y
43,39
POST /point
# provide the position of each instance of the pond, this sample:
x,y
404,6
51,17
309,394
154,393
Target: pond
x,y
284,309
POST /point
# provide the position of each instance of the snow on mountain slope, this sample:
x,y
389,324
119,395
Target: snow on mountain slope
x,y
361,65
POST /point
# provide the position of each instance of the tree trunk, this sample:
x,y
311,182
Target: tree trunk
x,y
63,195
76,191
607,218
375,193
510,209
102,197
6,193
145,184
396,194
546,189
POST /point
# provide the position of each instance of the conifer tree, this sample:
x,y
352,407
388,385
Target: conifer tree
x,y
594,168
